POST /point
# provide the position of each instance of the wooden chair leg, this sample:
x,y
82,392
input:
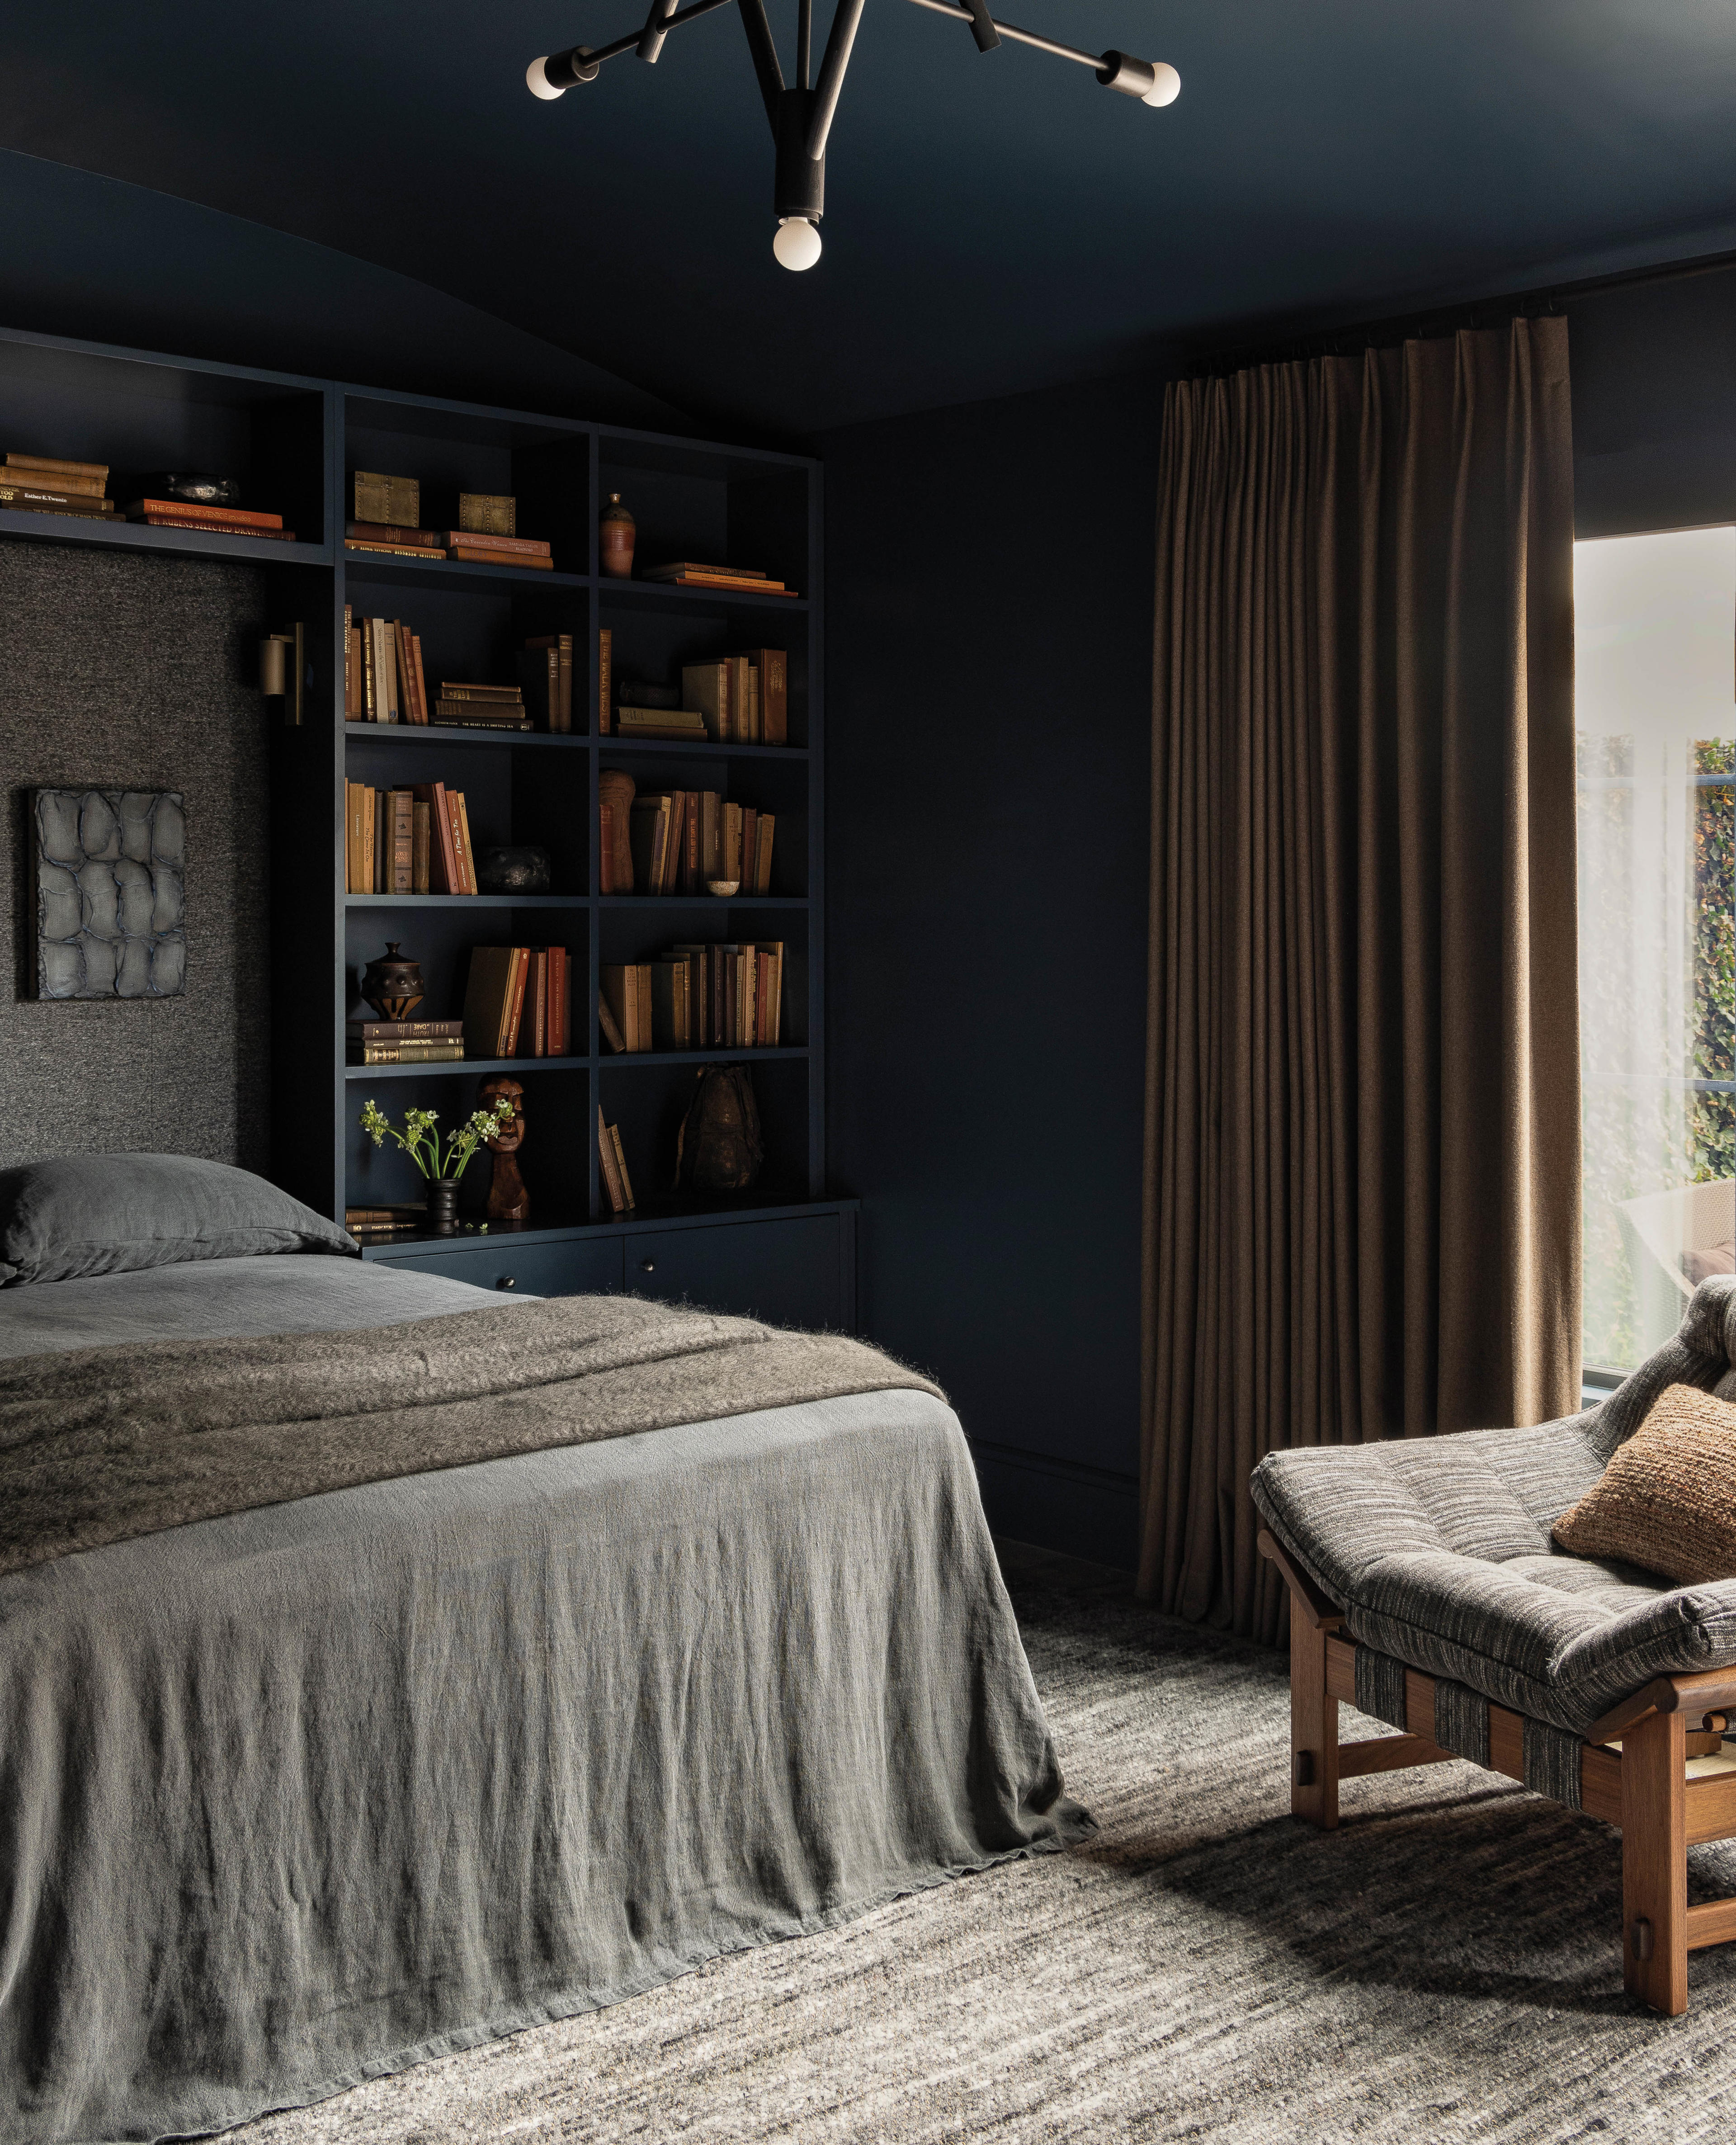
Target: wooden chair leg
x,y
1313,1727
1655,1861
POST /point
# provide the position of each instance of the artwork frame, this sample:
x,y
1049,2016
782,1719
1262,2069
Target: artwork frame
x,y
108,875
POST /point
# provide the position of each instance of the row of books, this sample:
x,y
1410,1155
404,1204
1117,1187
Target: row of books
x,y
517,1001
731,699
690,574
728,997
407,841
470,547
385,682
45,484
680,840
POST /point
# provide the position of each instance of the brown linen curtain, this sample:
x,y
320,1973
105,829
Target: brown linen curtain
x,y
1362,1139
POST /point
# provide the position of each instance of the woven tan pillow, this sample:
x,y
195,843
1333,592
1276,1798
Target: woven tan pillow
x,y
1666,1502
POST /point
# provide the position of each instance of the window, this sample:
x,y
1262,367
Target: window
x,y
1656,719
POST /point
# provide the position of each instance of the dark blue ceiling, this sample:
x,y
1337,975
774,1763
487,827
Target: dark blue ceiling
x,y
993,223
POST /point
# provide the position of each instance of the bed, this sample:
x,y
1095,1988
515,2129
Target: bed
x,y
304,1793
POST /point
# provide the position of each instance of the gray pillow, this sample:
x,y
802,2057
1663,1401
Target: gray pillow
x,y
116,1213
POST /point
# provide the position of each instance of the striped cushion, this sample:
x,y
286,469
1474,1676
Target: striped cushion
x,y
1438,1550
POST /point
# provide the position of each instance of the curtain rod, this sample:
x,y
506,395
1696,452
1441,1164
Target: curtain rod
x,y
1492,311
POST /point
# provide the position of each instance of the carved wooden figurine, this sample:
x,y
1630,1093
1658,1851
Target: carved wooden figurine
x,y
508,1201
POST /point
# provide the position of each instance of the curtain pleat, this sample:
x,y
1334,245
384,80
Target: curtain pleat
x,y
1361,1174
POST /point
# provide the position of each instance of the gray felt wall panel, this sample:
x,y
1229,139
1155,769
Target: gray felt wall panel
x,y
119,670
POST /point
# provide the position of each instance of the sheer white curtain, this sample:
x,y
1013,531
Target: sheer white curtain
x,y
1656,631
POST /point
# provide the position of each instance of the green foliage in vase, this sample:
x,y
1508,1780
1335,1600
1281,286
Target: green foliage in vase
x,y
421,1141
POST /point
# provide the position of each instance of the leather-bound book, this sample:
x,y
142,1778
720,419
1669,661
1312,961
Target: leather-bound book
x,y
487,993
610,1026
606,1164
620,1163
444,874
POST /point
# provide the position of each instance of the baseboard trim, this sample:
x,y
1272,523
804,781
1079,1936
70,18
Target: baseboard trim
x,y
1061,1505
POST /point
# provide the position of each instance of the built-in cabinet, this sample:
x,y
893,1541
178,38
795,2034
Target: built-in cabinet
x,y
784,1249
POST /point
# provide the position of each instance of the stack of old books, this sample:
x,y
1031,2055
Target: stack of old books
x,y
481,707
387,511
688,574
371,1224
487,533
213,520
403,1041
42,484
395,539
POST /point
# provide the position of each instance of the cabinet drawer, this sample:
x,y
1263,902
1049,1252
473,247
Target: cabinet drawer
x,y
786,1271
579,1268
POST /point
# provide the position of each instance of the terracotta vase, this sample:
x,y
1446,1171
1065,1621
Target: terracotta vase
x,y
616,535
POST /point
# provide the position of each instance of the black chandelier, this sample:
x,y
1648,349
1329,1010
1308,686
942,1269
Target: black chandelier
x,y
801,117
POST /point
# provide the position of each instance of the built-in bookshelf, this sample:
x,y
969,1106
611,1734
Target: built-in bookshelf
x,y
296,443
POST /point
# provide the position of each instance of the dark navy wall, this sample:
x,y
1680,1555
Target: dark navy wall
x,y
990,604
1654,404
989,597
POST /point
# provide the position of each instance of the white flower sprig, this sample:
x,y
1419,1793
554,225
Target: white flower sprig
x,y
421,1142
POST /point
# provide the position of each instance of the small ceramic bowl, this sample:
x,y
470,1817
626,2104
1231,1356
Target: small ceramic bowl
x,y
723,888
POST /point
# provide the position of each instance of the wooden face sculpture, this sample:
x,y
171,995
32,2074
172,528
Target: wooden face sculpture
x,y
508,1201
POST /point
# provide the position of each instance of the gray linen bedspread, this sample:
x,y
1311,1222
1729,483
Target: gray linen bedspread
x,y
101,1445
294,1292
306,1793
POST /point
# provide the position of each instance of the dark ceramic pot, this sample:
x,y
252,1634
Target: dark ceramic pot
x,y
393,984
443,1203
522,870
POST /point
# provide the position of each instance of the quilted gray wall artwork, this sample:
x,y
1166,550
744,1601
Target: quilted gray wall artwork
x,y
110,893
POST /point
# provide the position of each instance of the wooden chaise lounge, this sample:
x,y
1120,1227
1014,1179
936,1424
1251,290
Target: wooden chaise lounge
x,y
1425,1589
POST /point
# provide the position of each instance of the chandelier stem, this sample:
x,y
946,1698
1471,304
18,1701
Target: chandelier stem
x,y
765,57
804,42
845,23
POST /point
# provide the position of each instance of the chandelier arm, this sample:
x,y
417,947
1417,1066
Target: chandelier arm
x,y
583,56
845,23
765,57
1092,60
804,42
651,38
983,27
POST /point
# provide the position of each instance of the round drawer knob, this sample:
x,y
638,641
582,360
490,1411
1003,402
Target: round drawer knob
x,y
648,1265
506,1280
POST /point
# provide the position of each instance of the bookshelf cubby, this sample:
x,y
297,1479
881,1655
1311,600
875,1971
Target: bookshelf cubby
x,y
296,442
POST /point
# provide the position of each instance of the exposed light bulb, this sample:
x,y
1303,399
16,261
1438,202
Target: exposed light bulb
x,y
1167,86
538,84
797,244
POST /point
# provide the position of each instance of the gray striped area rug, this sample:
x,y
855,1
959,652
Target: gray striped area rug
x,y
1444,1968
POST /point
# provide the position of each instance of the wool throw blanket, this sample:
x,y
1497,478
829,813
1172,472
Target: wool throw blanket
x,y
105,1444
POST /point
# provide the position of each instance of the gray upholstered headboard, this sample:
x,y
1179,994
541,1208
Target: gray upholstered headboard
x,y
149,690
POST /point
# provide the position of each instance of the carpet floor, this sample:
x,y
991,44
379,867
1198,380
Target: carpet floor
x,y
1444,1966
